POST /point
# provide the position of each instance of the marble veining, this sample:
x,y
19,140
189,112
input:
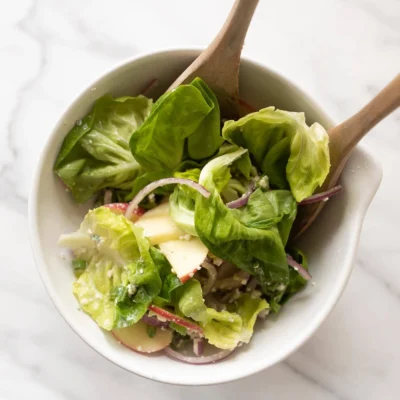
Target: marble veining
x,y
341,52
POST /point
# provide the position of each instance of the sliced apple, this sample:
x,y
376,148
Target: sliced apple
x,y
120,208
158,225
135,337
185,256
174,318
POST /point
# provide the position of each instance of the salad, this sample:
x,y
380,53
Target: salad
x,y
186,244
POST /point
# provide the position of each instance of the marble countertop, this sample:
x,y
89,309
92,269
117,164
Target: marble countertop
x,y
340,51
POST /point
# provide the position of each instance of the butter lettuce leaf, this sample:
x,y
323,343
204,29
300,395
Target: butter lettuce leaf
x,y
122,275
182,202
291,153
95,154
266,209
223,329
248,237
184,120
248,308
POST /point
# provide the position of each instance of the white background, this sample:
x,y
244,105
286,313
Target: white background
x,y
340,51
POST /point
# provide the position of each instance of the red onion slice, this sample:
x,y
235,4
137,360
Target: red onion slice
x,y
198,360
242,201
163,182
198,346
298,267
324,196
122,207
154,322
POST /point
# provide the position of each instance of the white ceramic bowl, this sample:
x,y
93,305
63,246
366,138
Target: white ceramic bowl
x,y
331,243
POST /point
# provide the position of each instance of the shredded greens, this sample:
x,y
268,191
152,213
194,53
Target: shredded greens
x,y
266,163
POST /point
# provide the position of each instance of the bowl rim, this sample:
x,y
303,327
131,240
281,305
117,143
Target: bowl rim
x,y
46,279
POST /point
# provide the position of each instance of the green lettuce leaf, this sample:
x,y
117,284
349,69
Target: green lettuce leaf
x,y
279,294
206,139
223,329
233,190
284,147
122,275
186,117
96,154
169,280
241,165
267,209
236,235
182,202
248,309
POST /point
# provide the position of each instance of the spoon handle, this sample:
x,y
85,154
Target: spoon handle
x,y
344,137
230,38
218,64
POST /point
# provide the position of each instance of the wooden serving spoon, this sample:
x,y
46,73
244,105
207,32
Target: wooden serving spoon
x,y
218,64
342,140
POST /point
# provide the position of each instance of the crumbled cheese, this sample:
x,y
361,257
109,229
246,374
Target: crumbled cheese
x,y
264,182
84,301
255,294
263,314
95,238
281,287
131,289
141,271
217,261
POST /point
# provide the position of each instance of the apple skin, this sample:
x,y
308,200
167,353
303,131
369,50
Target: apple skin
x,y
120,208
135,338
178,320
